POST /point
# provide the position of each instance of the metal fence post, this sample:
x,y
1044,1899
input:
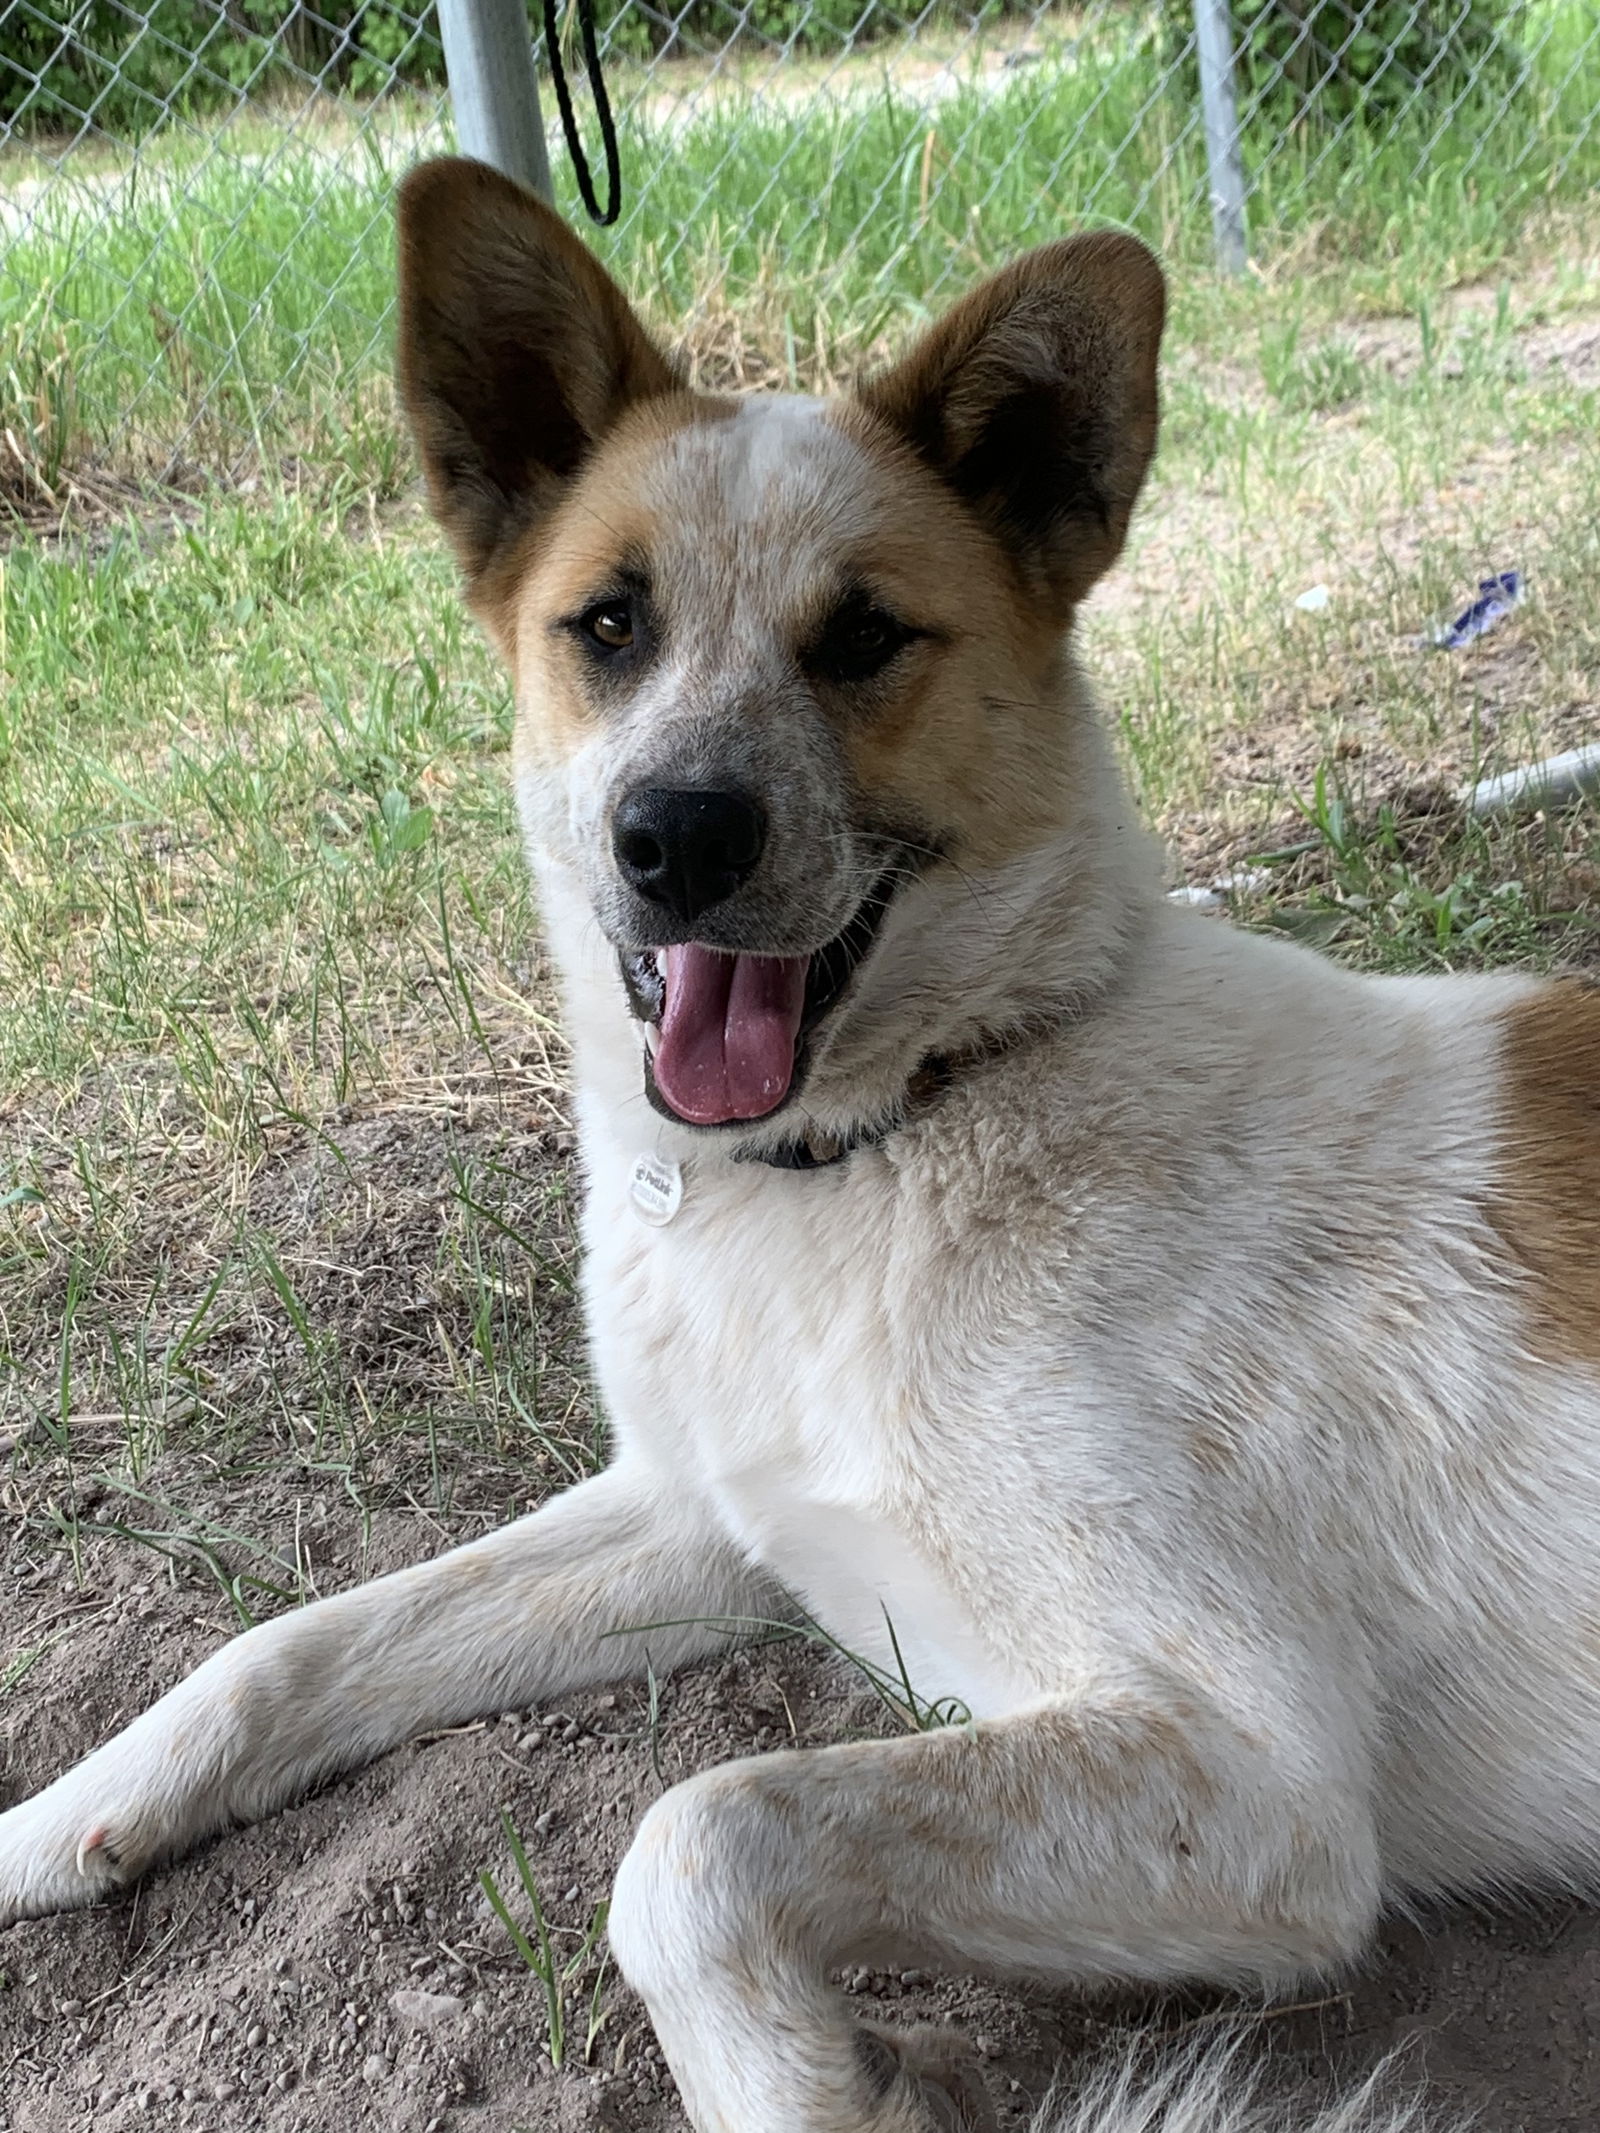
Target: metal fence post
x,y
488,57
1213,30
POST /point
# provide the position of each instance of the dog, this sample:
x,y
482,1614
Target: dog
x,y
1180,1354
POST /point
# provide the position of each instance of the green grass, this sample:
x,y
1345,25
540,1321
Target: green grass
x,y
230,304
283,1206
577,1978
265,933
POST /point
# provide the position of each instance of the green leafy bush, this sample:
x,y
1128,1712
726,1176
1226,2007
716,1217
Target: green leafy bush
x,y
1336,58
65,62
642,28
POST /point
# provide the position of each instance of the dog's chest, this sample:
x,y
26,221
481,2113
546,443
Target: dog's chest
x,y
755,1345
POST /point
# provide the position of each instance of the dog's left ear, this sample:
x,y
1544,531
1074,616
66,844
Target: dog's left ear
x,y
1035,398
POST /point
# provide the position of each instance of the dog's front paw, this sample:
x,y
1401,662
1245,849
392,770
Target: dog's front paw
x,y
64,1849
153,1790
928,2078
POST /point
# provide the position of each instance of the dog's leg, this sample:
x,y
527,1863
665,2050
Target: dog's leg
x,y
1139,1834
516,1616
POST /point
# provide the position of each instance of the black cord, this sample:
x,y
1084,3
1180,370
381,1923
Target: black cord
x,y
602,106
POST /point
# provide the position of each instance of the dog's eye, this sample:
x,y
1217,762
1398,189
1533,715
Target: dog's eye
x,y
857,641
610,624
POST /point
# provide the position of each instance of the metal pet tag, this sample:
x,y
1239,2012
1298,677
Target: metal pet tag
x,y
657,1188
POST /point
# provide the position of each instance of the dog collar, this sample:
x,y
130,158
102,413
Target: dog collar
x,y
816,1150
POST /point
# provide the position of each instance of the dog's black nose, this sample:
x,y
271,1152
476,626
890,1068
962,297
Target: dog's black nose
x,y
687,850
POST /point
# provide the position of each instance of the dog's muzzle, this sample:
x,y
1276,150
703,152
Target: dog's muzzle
x,y
727,1034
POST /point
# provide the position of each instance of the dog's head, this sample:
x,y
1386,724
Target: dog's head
x,y
782,666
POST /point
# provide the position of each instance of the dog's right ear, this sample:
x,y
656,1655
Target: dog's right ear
x,y
517,352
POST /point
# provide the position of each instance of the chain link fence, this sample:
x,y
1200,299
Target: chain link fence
x,y
195,259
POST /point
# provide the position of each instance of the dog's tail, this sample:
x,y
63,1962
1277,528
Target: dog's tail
x,y
1213,2092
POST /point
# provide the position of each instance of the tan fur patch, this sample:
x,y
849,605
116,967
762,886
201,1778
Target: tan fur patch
x,y
999,775
1548,1204
565,561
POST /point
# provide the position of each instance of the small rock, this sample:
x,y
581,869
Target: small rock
x,y
224,2091
255,2036
374,2067
544,1823
233,1990
913,1977
429,2010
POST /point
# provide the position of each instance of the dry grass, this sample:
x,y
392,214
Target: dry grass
x,y
284,1189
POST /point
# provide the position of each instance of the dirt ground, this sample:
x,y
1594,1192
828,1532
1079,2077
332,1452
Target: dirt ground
x,y
339,1970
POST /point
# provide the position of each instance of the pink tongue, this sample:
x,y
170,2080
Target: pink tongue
x,y
728,1033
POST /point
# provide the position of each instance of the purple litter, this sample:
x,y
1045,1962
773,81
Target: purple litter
x,y
1497,596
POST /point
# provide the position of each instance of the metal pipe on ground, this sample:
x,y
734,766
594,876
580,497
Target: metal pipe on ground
x,y
1554,782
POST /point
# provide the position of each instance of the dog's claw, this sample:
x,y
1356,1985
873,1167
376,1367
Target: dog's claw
x,y
93,1842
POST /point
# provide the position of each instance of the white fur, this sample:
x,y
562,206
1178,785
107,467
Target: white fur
x,y
1211,2092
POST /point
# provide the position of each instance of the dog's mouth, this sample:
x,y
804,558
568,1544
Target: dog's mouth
x,y
726,1033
